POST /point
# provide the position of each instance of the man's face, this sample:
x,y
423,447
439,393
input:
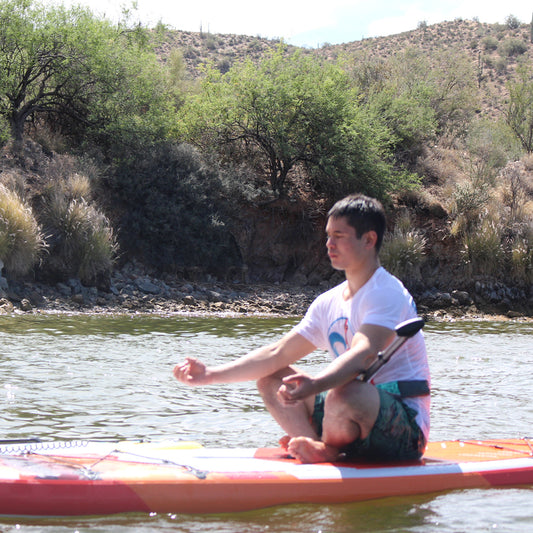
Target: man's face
x,y
342,243
345,250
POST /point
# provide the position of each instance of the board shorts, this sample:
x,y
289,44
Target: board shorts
x,y
395,435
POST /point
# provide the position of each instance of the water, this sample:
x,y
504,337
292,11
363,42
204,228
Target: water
x,y
77,377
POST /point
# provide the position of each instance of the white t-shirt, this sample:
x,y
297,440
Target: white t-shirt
x,y
331,322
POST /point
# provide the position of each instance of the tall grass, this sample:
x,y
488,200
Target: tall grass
x,y
403,251
521,262
21,240
81,240
483,253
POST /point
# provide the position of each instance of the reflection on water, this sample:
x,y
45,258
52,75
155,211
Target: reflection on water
x,y
75,377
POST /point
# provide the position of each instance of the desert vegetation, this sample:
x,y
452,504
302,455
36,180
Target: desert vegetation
x,y
222,153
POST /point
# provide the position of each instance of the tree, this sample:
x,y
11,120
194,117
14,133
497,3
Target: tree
x,y
401,95
519,113
295,112
418,97
78,72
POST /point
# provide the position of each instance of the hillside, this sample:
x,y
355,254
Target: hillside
x,y
493,49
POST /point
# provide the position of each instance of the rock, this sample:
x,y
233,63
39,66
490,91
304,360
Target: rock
x,y
147,286
6,306
76,285
214,296
443,299
299,279
25,305
189,300
462,297
78,298
64,289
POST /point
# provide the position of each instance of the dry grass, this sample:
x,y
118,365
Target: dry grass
x,y
21,240
404,250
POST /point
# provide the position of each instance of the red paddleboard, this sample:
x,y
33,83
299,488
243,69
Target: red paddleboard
x,y
61,478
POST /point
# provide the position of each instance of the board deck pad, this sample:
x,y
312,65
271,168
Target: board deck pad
x,y
60,478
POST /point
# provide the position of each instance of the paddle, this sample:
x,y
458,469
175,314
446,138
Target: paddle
x,y
404,331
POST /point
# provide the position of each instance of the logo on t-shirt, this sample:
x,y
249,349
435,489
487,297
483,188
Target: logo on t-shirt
x,y
340,335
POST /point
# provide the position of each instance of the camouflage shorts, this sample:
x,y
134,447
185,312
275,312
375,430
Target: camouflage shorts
x,y
395,435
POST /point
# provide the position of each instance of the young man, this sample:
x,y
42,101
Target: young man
x,y
333,413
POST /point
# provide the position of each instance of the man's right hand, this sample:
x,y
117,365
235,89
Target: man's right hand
x,y
192,372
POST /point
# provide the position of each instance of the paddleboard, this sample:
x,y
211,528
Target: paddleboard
x,y
60,478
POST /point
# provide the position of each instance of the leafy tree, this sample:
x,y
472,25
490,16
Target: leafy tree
x,y
418,97
512,22
402,97
519,113
294,113
78,72
455,97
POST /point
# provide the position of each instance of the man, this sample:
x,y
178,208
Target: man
x,y
333,413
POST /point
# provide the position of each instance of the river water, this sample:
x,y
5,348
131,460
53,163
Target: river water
x,y
101,377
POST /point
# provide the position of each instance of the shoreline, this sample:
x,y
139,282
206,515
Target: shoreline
x,y
132,292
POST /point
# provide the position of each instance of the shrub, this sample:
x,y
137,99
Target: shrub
x,y
468,199
482,250
512,22
403,251
5,132
490,43
513,47
521,262
80,239
177,210
21,240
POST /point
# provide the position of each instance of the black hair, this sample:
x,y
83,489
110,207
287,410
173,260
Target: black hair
x,y
363,214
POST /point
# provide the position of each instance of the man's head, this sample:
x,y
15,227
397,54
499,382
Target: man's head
x,y
363,214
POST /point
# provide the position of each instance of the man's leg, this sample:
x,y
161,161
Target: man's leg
x,y
350,413
294,419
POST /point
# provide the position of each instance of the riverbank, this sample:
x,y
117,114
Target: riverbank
x,y
133,291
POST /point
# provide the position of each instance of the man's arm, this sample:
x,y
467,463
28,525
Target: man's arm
x,y
256,364
366,344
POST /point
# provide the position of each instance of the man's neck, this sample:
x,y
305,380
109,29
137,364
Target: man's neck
x,y
359,278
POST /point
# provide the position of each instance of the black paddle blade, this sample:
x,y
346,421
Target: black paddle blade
x,y
409,327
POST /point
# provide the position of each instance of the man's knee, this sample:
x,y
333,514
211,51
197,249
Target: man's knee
x,y
266,383
354,400
272,382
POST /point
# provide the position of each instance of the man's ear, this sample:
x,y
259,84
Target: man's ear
x,y
370,239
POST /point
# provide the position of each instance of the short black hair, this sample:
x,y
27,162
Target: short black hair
x,y
363,213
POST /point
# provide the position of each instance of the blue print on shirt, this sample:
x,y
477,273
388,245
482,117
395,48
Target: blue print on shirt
x,y
340,333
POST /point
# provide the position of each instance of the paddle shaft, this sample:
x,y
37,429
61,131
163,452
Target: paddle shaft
x,y
404,331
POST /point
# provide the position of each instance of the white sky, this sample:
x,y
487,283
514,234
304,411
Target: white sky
x,y
310,22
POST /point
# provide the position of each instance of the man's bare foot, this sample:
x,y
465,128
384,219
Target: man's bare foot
x,y
307,450
284,442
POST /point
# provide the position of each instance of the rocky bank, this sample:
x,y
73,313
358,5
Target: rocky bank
x,y
134,291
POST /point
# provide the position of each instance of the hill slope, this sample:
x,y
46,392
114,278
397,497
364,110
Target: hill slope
x,y
493,48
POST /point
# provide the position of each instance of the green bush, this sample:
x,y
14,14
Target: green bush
x,y
512,22
490,43
21,240
296,115
513,47
5,131
177,211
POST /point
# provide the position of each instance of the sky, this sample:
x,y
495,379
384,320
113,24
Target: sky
x,y
309,23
